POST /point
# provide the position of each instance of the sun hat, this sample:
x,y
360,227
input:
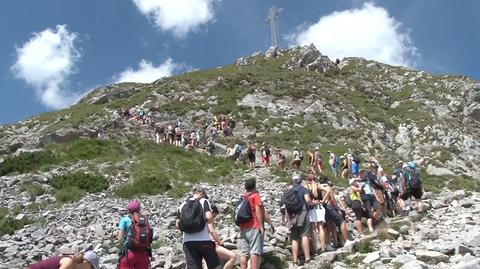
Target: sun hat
x,y
92,258
133,206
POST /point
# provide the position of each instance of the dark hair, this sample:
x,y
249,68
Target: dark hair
x,y
323,179
250,184
215,209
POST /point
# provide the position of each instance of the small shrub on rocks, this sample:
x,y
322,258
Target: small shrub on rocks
x,y
69,194
8,225
145,185
72,187
26,162
33,188
365,247
87,182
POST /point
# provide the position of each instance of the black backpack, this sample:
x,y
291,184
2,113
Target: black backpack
x,y
267,151
243,211
414,180
292,202
192,217
355,158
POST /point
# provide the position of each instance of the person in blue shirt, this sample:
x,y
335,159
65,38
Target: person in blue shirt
x,y
131,259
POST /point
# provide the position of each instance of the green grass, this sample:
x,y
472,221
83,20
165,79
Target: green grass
x,y
462,183
26,162
162,168
69,194
271,260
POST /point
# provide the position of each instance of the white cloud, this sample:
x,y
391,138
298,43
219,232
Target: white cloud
x,y
45,62
369,32
147,72
178,16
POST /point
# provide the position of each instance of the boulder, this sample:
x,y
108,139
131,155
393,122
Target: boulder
x,y
65,135
430,257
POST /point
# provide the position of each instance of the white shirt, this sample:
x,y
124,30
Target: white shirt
x,y
203,235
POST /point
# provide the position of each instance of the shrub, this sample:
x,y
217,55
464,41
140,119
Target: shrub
x,y
9,225
26,162
33,188
84,181
365,247
69,194
145,185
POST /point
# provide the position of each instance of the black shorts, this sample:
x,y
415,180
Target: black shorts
x,y
195,251
332,214
359,211
417,193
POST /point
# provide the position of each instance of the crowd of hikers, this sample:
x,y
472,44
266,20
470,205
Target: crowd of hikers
x,y
312,207
315,211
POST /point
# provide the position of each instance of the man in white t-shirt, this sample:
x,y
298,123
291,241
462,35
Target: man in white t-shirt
x,y
198,245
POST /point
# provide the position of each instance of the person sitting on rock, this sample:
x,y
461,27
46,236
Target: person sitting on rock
x,y
223,253
132,257
87,260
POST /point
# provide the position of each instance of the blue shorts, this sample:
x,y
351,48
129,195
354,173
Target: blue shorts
x,y
355,168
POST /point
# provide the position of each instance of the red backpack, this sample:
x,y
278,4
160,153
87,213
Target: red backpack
x,y
141,235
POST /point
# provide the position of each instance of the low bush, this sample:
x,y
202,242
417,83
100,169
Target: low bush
x,y
26,162
72,187
84,181
33,188
8,224
69,194
365,247
145,185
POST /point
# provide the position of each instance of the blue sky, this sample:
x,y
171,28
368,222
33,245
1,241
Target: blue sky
x,y
53,51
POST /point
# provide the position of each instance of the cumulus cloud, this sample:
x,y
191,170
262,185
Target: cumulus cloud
x,y
147,72
369,32
177,16
45,62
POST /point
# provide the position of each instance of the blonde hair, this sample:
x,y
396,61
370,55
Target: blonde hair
x,y
313,188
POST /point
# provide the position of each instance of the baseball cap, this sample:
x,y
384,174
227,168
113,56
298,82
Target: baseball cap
x,y
92,258
296,179
353,179
201,190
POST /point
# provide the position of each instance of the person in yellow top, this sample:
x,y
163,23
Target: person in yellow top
x,y
354,192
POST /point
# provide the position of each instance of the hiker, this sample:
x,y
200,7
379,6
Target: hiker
x,y
230,153
354,163
213,134
135,253
195,216
316,213
210,146
317,161
297,158
333,161
81,260
333,215
159,134
375,182
265,150
171,134
238,153
252,230
101,134
296,199
251,152
193,139
357,205
368,199
344,166
281,159
223,253
413,184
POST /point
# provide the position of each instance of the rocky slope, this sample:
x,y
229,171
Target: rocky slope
x,y
299,98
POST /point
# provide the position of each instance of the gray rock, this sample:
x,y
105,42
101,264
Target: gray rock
x,y
431,256
414,265
372,257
